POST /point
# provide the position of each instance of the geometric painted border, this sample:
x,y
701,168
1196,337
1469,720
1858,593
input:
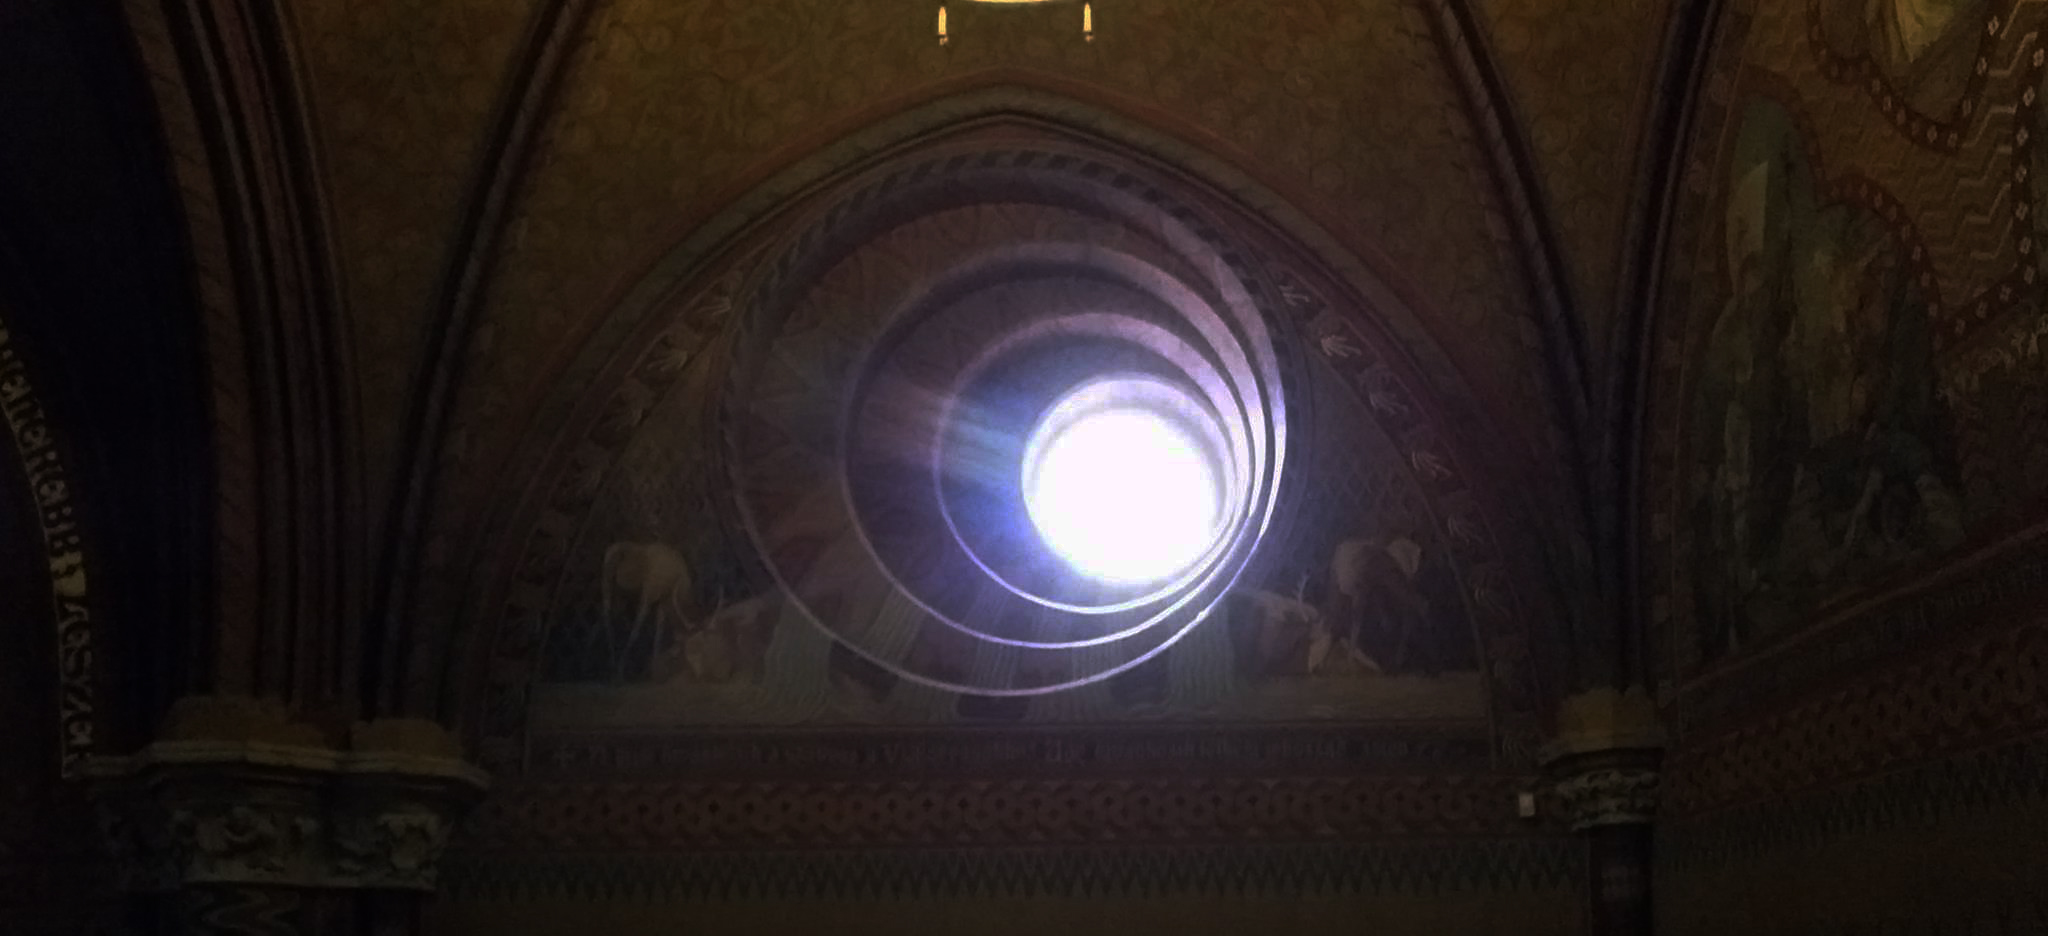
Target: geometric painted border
x,y
1927,796
656,817
1421,868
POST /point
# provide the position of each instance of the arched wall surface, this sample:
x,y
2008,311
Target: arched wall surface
x,y
626,461
46,858
1326,277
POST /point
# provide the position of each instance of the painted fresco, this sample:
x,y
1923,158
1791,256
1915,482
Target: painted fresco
x,y
1821,453
662,621
1924,48
1859,401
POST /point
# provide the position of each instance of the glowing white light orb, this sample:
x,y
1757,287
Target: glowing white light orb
x,y
1122,493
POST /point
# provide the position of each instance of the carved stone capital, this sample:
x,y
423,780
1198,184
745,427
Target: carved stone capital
x,y
1605,758
249,810
1604,796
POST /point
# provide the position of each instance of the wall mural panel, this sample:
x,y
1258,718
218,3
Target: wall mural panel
x,y
1847,394
659,622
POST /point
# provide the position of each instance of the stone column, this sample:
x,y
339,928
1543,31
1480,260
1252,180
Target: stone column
x,y
1604,763
239,820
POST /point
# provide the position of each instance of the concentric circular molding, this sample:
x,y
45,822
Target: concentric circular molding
x,y
896,364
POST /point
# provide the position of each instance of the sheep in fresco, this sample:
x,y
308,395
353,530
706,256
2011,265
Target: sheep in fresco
x,y
656,578
731,642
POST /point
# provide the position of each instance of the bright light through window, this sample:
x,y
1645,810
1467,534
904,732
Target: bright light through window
x,y
1123,494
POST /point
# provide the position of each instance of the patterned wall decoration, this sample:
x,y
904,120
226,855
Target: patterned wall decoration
x,y
1908,798
798,813
645,759
1938,705
1436,887
1844,400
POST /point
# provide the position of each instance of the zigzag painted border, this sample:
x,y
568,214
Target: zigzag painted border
x,y
1444,867
1926,795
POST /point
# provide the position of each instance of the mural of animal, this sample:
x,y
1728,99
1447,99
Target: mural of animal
x,y
1277,635
1374,608
730,643
652,577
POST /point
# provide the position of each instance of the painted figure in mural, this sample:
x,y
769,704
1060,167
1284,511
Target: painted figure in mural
x,y
653,578
730,643
1926,49
1820,453
1367,612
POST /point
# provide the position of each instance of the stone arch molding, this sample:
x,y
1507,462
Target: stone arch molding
x,y
663,340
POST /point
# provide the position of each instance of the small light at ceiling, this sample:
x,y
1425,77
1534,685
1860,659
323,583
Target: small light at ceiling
x,y
1087,17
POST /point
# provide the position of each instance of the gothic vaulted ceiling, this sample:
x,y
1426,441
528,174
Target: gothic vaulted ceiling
x,y
512,251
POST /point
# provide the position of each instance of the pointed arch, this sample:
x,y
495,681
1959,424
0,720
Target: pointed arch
x,y
706,252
